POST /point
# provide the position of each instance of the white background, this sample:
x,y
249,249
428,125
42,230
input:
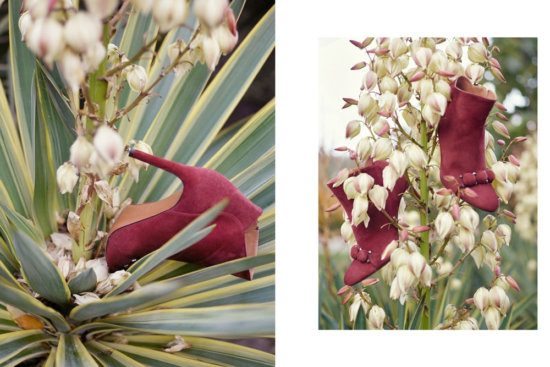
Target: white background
x,y
300,24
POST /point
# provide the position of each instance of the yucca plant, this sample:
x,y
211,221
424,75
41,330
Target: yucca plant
x,y
54,309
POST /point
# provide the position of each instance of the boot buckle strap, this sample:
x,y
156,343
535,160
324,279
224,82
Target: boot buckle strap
x,y
476,178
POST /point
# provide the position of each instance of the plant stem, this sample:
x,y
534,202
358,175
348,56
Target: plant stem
x,y
425,236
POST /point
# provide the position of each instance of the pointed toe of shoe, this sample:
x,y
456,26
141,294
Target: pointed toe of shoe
x,y
357,271
485,197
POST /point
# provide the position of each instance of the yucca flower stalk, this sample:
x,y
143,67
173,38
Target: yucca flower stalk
x,y
403,95
89,80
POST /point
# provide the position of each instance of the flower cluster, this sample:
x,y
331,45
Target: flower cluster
x,y
404,92
60,251
406,270
57,31
494,303
218,31
526,188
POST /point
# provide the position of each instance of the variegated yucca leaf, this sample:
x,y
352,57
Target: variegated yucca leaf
x,y
172,302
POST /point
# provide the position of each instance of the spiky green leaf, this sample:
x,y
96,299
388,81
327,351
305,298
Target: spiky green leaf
x,y
39,271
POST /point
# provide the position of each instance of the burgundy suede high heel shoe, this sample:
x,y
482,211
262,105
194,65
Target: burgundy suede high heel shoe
x,y
143,228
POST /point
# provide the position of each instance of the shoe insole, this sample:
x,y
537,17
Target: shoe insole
x,y
136,212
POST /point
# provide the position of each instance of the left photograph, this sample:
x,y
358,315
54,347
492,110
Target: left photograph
x,y
137,189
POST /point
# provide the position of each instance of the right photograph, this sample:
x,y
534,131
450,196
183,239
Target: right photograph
x,y
428,183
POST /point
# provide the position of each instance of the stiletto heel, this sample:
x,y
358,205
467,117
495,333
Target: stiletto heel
x,y
143,228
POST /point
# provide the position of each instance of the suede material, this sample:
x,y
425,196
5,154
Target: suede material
x,y
203,188
462,142
380,232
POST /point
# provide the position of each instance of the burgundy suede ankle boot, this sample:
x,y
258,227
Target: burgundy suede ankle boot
x,y
462,142
371,240
143,228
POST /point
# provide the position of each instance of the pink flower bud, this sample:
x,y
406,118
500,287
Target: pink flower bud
x,y
359,65
501,129
509,215
494,62
369,281
512,158
332,208
446,73
419,229
403,235
469,192
501,142
502,117
500,106
455,211
497,271
347,297
416,77
512,282
497,74
343,290
356,43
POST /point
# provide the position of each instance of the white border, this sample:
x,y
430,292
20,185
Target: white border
x,y
299,26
